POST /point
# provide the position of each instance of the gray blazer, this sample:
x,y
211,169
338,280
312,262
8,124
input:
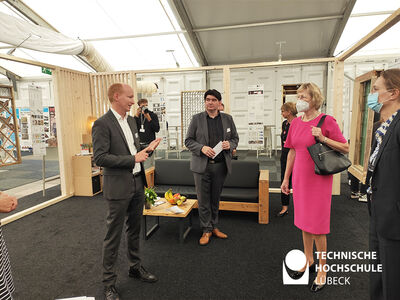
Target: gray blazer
x,y
111,152
197,137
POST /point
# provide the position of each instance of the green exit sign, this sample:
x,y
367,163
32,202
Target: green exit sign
x,y
46,71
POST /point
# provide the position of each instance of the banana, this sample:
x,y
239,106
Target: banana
x,y
168,195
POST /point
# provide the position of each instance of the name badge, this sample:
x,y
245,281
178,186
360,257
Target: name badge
x,y
142,130
228,130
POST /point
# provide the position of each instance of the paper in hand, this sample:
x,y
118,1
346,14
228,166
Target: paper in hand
x,y
217,149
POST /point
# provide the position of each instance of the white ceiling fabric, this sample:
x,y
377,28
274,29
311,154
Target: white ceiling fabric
x,y
17,32
102,20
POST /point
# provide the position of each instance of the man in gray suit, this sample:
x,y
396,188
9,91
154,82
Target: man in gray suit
x,y
205,131
117,149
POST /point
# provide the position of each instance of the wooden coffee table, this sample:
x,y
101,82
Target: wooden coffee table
x,y
161,211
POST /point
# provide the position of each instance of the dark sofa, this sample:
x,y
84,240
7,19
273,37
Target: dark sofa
x,y
245,189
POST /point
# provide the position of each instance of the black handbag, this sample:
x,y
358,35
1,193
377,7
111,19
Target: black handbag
x,y
327,161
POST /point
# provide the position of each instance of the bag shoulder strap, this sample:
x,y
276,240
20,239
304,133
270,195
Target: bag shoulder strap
x,y
321,121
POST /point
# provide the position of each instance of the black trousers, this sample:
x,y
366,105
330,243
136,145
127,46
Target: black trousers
x,y
208,189
129,210
285,199
384,285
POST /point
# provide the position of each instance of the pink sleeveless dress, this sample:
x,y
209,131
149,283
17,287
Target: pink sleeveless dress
x,y
312,193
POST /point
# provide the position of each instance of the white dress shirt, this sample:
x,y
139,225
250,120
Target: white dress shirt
x,y
123,122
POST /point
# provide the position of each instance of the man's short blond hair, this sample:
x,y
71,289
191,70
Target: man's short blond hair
x,y
115,88
313,90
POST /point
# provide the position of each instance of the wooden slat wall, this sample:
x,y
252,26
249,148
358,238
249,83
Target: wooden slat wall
x,y
99,85
73,106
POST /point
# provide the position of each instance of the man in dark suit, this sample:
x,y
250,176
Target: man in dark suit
x,y
117,149
384,201
205,131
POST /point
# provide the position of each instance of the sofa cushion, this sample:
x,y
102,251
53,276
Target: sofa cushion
x,y
245,174
186,190
239,195
173,172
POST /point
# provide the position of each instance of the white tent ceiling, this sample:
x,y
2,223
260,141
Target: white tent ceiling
x,y
136,34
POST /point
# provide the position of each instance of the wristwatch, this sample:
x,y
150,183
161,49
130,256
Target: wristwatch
x,y
325,139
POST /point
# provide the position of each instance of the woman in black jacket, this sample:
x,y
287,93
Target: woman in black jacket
x,y
289,112
384,165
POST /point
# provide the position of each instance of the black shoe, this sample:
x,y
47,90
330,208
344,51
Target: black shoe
x,y
279,214
142,274
316,287
298,274
110,293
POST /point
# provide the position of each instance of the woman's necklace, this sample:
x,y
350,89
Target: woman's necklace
x,y
304,119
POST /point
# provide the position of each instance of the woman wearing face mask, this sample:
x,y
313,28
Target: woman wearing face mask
x,y
312,193
384,191
289,112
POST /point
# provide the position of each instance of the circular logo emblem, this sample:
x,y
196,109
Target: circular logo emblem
x,y
295,260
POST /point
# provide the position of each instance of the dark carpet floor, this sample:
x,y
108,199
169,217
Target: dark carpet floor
x,y
56,253
35,199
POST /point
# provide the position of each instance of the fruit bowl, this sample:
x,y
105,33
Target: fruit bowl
x,y
174,199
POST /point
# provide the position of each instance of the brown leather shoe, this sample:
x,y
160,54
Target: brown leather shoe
x,y
219,234
205,238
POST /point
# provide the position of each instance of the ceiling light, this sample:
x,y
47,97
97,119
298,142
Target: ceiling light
x,y
280,49
172,52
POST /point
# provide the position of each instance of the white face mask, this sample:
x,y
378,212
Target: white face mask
x,y
302,105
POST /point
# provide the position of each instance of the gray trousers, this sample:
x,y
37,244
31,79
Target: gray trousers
x,y
129,210
208,188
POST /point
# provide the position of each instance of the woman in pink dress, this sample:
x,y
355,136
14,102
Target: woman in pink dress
x,y
312,193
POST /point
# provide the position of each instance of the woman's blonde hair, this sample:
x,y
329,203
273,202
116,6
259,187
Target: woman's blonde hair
x,y
392,79
313,90
290,107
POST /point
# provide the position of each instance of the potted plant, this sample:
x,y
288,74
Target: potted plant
x,y
150,197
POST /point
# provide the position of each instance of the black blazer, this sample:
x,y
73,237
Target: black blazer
x,y
385,184
111,151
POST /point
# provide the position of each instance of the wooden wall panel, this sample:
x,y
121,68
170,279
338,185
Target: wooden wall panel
x,y
73,106
100,83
